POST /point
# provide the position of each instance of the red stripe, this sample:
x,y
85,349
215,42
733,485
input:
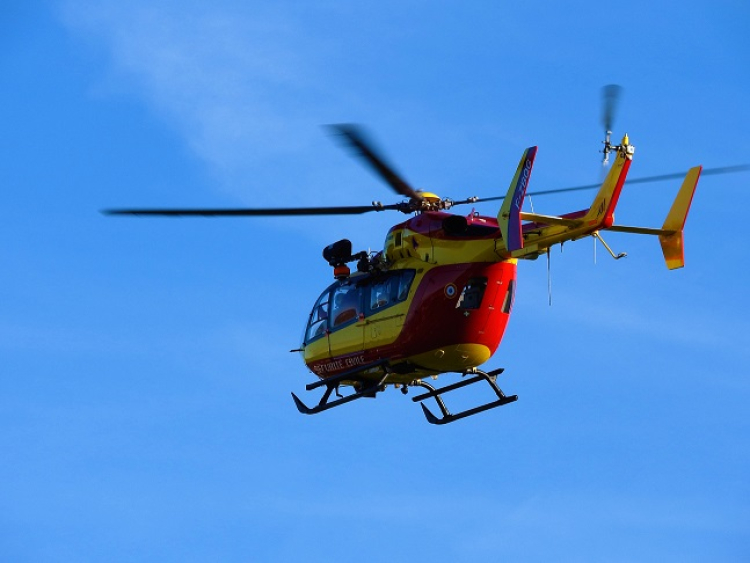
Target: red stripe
x,y
609,216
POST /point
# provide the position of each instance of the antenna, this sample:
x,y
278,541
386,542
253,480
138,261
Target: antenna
x,y
549,276
594,239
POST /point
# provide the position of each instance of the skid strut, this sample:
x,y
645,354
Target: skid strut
x,y
367,388
502,398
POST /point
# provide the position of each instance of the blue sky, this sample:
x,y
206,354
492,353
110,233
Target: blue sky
x,y
144,367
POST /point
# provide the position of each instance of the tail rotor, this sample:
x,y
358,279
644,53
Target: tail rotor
x,y
610,97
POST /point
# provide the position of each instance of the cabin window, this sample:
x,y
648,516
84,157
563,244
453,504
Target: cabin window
x,y
389,290
318,323
471,296
404,284
345,305
382,293
508,301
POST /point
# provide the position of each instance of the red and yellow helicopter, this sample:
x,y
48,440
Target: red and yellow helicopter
x,y
438,297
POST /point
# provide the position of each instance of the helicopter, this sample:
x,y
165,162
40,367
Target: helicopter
x,y
437,299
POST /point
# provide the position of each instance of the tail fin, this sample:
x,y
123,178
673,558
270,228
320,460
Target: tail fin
x,y
602,210
509,216
672,244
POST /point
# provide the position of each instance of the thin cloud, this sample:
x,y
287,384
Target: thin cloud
x,y
230,82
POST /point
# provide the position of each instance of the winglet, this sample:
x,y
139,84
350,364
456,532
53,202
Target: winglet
x,y
672,244
509,216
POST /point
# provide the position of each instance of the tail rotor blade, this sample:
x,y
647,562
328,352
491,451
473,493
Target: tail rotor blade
x,y
629,182
611,96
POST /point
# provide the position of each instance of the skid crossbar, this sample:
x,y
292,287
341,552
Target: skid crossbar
x,y
502,398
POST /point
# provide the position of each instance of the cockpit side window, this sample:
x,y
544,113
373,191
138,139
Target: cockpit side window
x,y
345,305
318,323
382,293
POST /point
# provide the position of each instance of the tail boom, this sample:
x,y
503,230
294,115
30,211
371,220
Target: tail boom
x,y
540,232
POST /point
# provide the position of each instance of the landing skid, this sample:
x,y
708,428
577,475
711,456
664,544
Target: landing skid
x,y
367,387
490,378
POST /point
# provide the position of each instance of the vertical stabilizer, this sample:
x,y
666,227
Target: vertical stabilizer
x,y
601,214
509,216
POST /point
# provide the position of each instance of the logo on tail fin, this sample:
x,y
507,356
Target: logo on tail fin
x,y
509,217
602,206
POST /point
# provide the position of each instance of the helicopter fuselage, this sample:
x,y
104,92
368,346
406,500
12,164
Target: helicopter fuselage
x,y
441,305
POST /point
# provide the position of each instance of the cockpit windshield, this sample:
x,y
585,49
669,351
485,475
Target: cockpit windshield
x,y
345,303
318,324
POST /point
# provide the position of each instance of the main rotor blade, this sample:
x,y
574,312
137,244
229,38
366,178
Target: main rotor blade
x,y
269,212
403,207
646,179
611,95
356,139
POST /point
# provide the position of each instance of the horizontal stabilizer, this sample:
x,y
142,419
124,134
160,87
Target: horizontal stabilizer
x,y
670,235
639,230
